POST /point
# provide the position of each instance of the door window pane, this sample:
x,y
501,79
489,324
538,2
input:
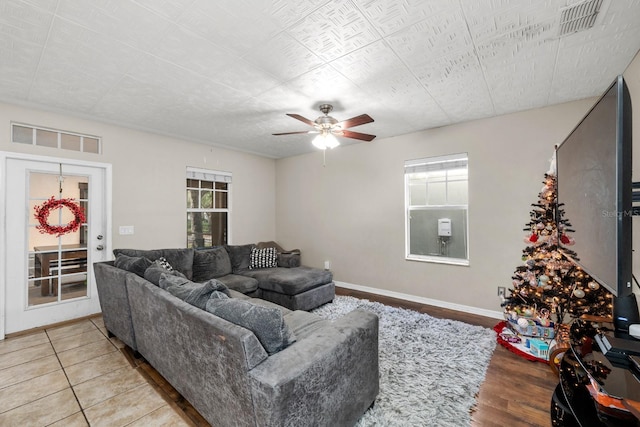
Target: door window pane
x,y
57,265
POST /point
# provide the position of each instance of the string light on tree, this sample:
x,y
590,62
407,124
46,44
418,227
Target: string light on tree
x,y
548,285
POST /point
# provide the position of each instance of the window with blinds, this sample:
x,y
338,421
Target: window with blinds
x,y
208,207
436,208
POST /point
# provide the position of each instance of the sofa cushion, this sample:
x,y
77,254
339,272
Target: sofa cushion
x,y
152,254
210,264
269,304
266,323
239,283
289,259
263,258
240,256
303,323
156,269
235,294
133,264
181,259
290,281
196,294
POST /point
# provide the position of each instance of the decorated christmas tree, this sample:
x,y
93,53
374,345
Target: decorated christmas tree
x,y
549,289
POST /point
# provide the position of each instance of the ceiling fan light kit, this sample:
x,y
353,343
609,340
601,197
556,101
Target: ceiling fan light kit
x,y
325,140
328,128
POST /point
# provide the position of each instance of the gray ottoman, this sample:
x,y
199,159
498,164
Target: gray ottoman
x,y
297,288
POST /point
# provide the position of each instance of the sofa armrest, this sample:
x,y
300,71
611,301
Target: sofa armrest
x,y
114,301
205,358
329,378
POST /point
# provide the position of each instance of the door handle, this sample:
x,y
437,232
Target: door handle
x,y
100,247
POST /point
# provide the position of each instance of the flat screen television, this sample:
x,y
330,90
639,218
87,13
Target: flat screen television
x,y
595,191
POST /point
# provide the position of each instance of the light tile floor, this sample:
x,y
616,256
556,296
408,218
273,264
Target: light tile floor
x,y
73,375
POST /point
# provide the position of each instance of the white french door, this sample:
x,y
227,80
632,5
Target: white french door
x,y
48,276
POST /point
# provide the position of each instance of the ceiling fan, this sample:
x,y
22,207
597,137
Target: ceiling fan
x,y
326,127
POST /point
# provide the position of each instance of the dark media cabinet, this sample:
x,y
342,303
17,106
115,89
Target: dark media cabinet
x,y
596,390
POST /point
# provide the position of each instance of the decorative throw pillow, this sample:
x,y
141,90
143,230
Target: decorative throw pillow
x,y
162,262
240,256
196,294
289,259
263,258
181,259
136,265
265,322
210,263
156,269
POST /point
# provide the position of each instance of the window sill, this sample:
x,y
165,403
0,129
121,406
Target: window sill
x,y
438,260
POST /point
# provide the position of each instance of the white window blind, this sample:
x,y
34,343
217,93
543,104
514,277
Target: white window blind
x,y
208,175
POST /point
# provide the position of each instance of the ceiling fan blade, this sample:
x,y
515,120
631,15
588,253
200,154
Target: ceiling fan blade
x,y
302,119
294,133
357,135
356,121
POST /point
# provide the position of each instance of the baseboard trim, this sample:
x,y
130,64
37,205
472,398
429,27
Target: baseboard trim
x,y
428,301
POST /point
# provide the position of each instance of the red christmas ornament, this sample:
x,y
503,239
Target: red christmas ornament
x,y
43,211
533,238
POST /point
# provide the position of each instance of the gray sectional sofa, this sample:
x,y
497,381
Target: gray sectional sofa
x,y
324,373
288,284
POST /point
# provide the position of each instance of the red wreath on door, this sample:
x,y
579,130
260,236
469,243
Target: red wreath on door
x,y
43,211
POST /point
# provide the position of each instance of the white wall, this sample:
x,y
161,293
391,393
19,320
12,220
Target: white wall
x,y
149,179
351,212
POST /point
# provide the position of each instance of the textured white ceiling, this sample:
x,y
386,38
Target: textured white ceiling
x,y
225,72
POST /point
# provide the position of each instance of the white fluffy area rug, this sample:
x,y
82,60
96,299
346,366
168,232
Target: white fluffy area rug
x,y
430,369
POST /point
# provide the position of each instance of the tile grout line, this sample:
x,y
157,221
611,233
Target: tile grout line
x,y
165,396
17,383
147,378
147,382
65,372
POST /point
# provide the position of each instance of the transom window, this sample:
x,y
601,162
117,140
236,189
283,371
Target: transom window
x,y
436,203
208,207
53,138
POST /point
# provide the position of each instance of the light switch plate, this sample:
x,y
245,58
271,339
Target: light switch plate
x,y
126,230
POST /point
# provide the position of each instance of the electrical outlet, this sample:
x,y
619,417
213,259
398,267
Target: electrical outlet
x,y
502,291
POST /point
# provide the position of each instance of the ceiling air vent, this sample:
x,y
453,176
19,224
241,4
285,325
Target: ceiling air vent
x,y
579,16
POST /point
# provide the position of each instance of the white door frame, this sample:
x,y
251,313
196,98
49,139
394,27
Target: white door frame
x,y
4,180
